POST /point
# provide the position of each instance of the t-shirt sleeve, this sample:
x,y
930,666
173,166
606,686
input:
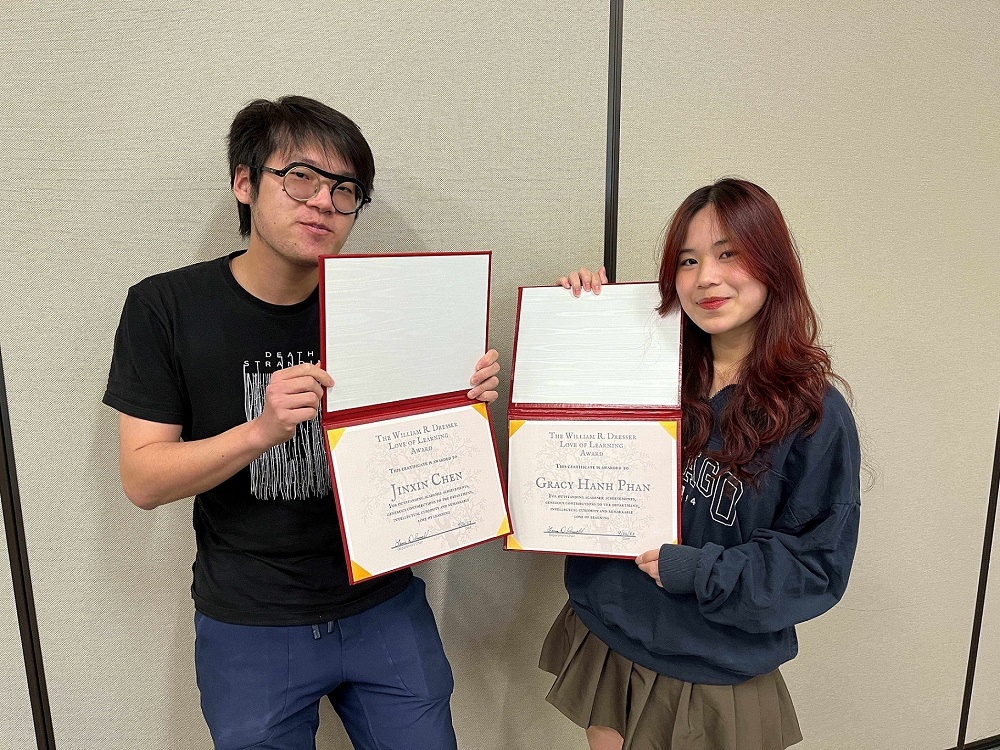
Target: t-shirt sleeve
x,y
799,568
145,380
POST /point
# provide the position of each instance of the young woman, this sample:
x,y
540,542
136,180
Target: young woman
x,y
680,648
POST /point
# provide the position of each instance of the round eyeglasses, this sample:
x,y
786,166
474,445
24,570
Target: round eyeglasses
x,y
304,181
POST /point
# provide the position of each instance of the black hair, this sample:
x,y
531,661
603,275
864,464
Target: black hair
x,y
263,127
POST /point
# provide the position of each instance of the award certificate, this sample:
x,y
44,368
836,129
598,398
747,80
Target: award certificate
x,y
594,422
593,487
416,487
413,461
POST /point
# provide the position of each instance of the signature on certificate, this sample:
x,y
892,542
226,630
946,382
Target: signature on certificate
x,y
582,531
429,534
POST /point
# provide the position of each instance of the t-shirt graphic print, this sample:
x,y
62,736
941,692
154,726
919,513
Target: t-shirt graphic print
x,y
296,469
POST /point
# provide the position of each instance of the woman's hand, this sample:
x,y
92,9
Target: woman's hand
x,y
584,279
649,563
672,566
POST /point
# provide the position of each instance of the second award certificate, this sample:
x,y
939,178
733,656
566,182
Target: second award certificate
x,y
593,487
594,422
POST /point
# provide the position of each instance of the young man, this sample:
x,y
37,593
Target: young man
x,y
216,380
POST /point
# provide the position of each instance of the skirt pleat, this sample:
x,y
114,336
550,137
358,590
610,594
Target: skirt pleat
x,y
596,686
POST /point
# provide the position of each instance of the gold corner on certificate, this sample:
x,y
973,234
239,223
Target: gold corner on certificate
x,y
412,488
593,487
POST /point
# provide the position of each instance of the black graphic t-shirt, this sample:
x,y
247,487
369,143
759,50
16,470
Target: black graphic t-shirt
x,y
197,350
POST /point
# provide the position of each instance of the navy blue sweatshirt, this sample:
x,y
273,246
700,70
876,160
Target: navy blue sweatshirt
x,y
753,563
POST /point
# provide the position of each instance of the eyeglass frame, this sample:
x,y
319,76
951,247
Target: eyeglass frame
x,y
338,179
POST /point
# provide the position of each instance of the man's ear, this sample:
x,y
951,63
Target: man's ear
x,y
242,188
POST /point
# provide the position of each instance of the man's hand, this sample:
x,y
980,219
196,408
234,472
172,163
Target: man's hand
x,y
293,395
484,380
157,467
584,279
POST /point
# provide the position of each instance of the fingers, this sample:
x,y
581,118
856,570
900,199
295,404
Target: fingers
x,y
285,387
488,359
484,373
293,395
647,556
486,391
600,278
306,369
649,563
584,280
484,380
575,281
287,396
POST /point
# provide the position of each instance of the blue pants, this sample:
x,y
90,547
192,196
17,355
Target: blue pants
x,y
384,671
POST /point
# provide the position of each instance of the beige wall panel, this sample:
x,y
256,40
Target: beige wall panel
x,y
984,712
16,727
487,122
875,126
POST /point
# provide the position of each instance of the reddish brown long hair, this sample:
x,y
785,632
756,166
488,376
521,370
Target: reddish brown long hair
x,y
783,379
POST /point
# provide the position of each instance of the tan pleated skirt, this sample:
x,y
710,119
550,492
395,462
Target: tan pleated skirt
x,y
597,687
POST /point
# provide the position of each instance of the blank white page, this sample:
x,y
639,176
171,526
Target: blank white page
x,y
400,327
612,348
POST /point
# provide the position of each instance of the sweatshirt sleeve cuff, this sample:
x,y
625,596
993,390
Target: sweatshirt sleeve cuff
x,y
678,565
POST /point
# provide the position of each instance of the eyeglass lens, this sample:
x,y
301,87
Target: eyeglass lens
x,y
301,183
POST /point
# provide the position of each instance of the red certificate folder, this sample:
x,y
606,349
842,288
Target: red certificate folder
x,y
594,422
413,461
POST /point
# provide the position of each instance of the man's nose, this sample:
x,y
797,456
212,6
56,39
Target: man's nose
x,y
323,200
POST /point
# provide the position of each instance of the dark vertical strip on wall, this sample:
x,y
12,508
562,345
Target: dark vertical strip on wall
x,y
984,575
21,577
614,140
